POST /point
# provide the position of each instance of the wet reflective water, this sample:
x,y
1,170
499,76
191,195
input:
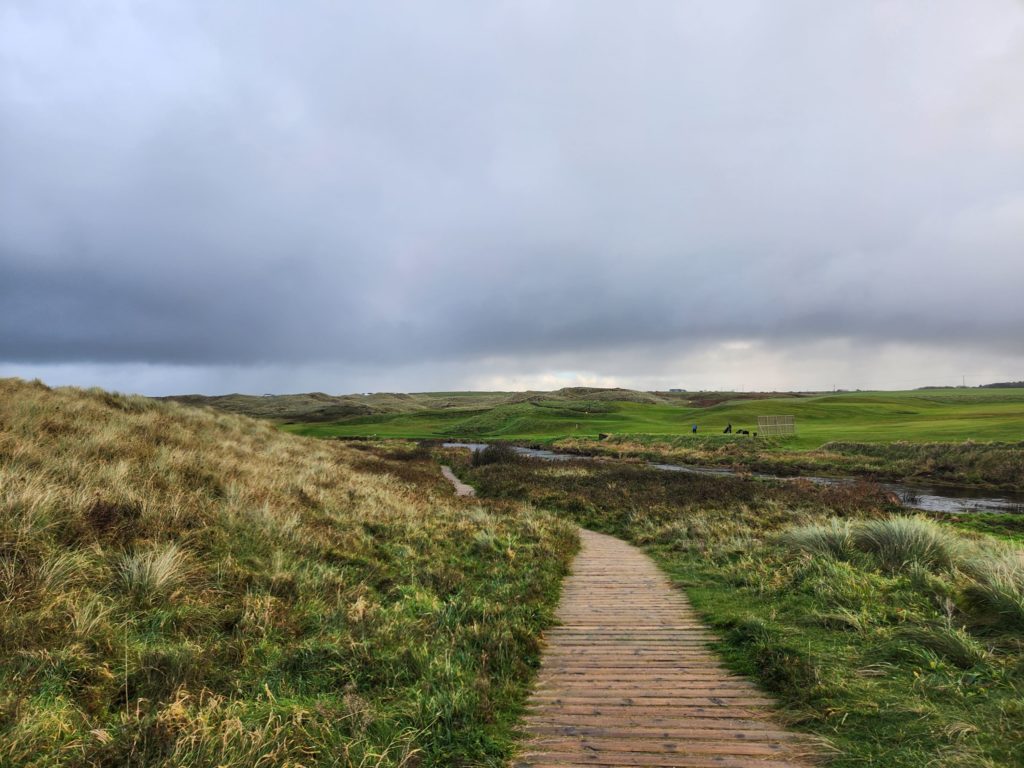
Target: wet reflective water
x,y
927,497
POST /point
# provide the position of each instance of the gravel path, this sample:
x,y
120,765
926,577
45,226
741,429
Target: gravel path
x,y
461,489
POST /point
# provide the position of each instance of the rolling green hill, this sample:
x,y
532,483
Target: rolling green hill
x,y
942,415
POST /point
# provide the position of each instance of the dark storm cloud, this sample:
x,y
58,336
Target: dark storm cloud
x,y
380,184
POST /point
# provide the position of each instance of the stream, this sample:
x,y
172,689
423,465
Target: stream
x,y
932,498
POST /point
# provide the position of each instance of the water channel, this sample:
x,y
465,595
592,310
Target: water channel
x,y
933,498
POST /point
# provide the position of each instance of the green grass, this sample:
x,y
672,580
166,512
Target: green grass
x,y
953,436
896,639
917,416
1009,527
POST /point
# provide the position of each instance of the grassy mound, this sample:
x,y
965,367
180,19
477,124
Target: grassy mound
x,y
182,587
896,543
989,575
903,542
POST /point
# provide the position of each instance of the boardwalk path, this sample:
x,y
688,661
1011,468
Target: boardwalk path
x,y
627,679
461,489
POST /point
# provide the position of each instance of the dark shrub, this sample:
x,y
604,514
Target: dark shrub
x,y
495,454
419,453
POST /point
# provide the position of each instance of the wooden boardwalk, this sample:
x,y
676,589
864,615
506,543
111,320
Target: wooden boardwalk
x,y
627,679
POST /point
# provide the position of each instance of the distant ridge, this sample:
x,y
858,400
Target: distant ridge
x,y
602,394
321,407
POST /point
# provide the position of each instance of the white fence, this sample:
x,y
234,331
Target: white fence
x,y
776,425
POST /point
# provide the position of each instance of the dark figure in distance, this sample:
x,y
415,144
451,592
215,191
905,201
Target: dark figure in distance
x,y
727,430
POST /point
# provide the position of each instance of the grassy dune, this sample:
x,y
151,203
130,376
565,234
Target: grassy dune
x,y
182,587
895,639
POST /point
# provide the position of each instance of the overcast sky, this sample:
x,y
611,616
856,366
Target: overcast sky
x,y
288,196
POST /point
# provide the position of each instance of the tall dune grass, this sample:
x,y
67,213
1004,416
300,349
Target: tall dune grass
x,y
155,572
182,587
996,593
899,542
833,538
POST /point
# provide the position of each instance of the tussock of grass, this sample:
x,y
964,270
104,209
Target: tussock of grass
x,y
841,619
896,543
996,594
154,573
954,644
833,538
185,587
899,542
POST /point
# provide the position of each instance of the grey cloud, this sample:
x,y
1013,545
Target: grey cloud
x,y
392,184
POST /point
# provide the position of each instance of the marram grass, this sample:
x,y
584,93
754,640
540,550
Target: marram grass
x,y
185,588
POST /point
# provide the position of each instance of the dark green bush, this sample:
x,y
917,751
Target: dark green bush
x,y
498,453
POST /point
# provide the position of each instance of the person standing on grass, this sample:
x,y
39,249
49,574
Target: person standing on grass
x,y
694,430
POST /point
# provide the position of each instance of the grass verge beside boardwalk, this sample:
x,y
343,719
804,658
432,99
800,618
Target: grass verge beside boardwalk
x,y
181,587
897,639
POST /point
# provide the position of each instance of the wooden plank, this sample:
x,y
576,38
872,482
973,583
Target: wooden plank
x,y
605,698
635,760
656,746
685,730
